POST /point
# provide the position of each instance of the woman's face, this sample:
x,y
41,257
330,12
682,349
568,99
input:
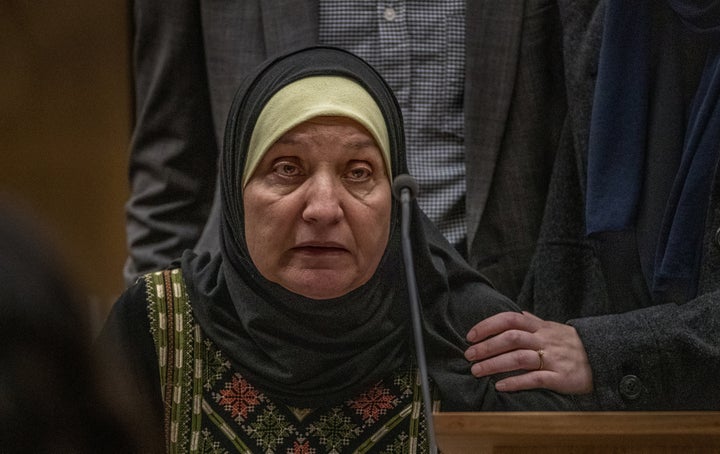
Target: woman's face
x,y
317,208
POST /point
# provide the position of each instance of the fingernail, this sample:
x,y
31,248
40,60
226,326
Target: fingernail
x,y
500,386
471,335
470,354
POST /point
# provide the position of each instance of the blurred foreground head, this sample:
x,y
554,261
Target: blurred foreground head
x,y
54,396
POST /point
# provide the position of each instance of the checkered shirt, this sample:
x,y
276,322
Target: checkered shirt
x,y
419,48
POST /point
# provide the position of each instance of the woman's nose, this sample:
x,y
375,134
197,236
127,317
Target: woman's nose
x,y
322,200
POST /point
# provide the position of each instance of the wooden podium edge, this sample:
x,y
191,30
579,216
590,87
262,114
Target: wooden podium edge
x,y
577,428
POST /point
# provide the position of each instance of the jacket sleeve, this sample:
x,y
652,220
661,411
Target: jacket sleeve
x,y
664,357
173,154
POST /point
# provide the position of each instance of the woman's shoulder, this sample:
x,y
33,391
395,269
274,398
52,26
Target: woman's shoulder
x,y
126,339
128,321
132,303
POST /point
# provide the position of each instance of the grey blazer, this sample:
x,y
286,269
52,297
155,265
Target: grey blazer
x,y
190,57
643,356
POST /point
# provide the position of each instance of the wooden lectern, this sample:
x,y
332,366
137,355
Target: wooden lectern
x,y
578,432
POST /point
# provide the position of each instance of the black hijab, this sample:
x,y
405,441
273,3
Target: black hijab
x,y
310,353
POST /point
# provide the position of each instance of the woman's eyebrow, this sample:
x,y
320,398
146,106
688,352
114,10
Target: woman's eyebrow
x,y
361,143
288,140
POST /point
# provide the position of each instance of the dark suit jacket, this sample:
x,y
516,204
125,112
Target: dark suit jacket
x,y
644,355
190,57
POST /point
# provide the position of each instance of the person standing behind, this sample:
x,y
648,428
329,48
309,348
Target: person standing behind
x,y
628,254
480,84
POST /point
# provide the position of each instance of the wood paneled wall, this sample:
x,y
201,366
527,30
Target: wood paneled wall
x,y
65,122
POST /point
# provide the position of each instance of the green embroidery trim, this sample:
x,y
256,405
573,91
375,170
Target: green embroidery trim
x,y
377,436
196,425
218,421
155,290
178,345
181,418
417,409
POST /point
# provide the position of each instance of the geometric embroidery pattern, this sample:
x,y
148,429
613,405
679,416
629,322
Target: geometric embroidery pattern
x,y
335,431
374,403
270,429
239,397
235,416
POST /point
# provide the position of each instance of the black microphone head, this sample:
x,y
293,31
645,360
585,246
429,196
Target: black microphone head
x,y
403,181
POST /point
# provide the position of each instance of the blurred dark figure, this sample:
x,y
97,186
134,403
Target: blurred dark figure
x,y
54,397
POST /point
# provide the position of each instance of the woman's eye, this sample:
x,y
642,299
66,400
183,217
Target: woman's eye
x,y
360,173
287,169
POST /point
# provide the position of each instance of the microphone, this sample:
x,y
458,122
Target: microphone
x,y
405,181
405,189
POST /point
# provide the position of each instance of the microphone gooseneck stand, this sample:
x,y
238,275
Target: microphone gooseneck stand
x,y
405,188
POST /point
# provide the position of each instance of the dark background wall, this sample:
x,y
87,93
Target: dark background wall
x,y
65,121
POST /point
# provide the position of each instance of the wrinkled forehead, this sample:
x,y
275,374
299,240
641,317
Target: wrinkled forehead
x,y
308,98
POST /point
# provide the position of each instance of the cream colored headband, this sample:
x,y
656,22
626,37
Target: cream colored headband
x,y
309,98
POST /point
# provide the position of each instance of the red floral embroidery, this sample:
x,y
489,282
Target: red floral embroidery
x,y
374,403
301,448
239,397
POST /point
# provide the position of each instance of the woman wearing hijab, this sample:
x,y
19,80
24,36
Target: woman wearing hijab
x,y
295,336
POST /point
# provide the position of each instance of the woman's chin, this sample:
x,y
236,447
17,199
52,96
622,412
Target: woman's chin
x,y
322,285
